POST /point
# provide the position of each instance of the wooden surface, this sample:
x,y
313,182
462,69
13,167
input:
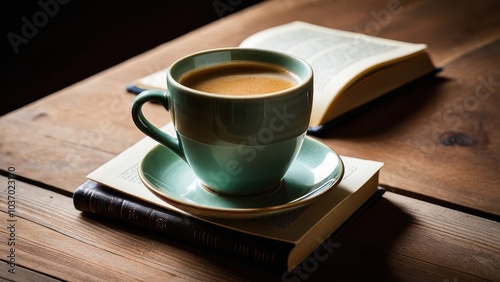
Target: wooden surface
x,y
420,241
438,138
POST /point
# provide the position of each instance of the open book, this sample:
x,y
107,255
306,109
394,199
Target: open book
x,y
350,69
283,240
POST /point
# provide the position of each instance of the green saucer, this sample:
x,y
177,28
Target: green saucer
x,y
316,170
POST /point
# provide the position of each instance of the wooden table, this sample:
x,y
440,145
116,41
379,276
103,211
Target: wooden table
x,y
439,140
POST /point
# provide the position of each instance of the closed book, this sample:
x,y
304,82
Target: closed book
x,y
94,198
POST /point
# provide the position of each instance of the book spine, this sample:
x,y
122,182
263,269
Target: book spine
x,y
94,198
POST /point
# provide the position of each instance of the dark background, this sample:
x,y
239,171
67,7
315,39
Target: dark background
x,y
70,40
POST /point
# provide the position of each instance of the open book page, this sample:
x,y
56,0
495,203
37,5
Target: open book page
x,y
121,173
338,58
156,80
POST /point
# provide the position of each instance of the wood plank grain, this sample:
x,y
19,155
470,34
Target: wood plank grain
x,y
403,232
398,237
25,274
403,239
440,140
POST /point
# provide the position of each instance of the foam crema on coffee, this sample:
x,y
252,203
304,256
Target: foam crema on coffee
x,y
239,78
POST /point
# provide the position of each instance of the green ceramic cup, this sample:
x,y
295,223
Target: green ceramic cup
x,y
235,145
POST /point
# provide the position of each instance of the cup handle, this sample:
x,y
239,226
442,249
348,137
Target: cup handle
x,y
147,127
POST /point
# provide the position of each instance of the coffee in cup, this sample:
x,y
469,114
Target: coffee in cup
x,y
240,116
240,78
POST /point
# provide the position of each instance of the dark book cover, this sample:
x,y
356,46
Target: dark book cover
x,y
92,197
